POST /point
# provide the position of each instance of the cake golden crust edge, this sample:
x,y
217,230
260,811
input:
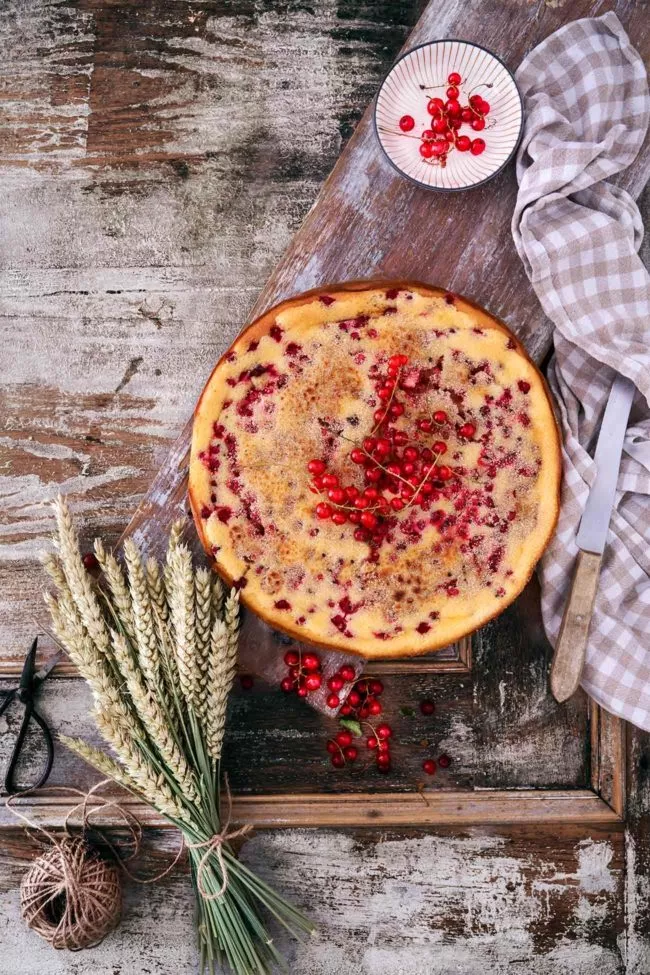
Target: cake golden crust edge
x,y
259,327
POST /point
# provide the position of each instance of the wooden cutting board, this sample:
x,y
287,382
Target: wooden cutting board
x,y
370,222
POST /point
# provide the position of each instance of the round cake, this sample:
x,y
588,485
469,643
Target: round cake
x,y
376,467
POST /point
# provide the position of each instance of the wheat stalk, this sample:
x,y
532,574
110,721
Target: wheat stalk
x,y
156,587
173,546
54,569
146,643
142,630
218,595
79,582
101,761
160,611
93,666
121,597
181,589
232,621
154,719
136,777
204,616
221,674
219,684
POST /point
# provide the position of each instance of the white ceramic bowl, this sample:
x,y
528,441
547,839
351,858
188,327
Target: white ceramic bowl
x,y
422,74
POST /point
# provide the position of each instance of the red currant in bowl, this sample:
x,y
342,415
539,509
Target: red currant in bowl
x,y
455,90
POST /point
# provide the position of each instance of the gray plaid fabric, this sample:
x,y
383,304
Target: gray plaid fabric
x,y
587,105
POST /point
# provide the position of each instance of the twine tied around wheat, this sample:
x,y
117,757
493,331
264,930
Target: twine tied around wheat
x,y
215,845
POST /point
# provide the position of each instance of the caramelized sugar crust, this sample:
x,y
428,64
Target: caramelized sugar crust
x,y
302,383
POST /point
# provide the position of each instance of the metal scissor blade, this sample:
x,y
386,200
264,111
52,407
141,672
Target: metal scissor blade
x,y
27,675
48,666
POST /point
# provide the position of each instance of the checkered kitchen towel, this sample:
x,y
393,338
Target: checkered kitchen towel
x,y
587,106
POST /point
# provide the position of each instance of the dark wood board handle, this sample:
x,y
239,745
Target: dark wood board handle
x,y
569,659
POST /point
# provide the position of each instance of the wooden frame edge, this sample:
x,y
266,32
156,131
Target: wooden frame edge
x,y
608,758
489,807
462,664
417,665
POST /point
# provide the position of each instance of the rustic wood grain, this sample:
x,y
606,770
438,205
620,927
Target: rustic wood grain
x,y
157,159
533,901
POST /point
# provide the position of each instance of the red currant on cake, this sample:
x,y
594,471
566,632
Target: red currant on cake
x,y
376,469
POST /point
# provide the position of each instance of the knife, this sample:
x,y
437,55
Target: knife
x,y
571,648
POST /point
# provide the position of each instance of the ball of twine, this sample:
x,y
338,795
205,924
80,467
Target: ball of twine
x,y
71,896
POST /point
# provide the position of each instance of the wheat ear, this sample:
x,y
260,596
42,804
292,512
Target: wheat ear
x,y
232,621
156,587
173,546
101,761
119,590
78,580
204,617
154,719
92,665
135,774
54,569
219,684
181,598
146,643
218,594
160,609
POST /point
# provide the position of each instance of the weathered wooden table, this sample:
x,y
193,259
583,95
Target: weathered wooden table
x,y
157,159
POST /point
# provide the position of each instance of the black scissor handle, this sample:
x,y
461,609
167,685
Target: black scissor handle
x,y
30,712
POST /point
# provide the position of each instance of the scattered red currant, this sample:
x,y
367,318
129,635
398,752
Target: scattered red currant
x,y
427,707
429,766
406,123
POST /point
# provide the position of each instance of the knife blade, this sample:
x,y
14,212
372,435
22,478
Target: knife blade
x,y
571,648
594,524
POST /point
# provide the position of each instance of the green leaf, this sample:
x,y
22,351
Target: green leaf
x,y
352,726
407,712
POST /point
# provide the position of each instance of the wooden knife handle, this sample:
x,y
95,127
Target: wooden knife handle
x,y
569,658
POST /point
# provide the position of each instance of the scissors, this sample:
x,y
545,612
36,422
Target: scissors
x,y
29,683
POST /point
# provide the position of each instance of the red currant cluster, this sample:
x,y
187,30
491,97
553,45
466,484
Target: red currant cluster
x,y
447,118
399,471
304,674
341,749
378,742
361,704
355,698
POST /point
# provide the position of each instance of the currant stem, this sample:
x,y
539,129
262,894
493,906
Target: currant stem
x,y
388,404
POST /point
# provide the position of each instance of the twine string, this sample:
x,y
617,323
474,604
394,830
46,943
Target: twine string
x,y
214,844
71,896
101,804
